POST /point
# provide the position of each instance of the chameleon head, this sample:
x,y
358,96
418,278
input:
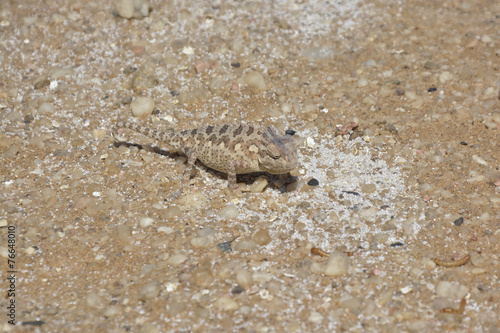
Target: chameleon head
x,y
277,152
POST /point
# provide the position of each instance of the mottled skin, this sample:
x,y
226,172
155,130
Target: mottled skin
x,y
230,148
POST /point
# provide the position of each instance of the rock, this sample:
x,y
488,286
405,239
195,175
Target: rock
x,y
150,290
132,8
202,65
338,264
445,77
245,245
93,301
46,108
259,185
146,221
353,304
177,259
125,8
451,290
111,311
261,237
244,278
148,328
255,80
215,84
228,212
142,106
202,276
226,304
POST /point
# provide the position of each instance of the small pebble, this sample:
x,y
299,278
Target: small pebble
x,y
315,317
245,245
459,221
203,276
148,328
261,237
177,259
226,304
255,79
432,89
244,278
146,222
225,246
313,182
228,212
338,264
111,311
451,290
46,108
259,185
150,290
290,132
479,160
142,106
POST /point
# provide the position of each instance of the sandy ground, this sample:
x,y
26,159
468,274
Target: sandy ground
x,y
103,244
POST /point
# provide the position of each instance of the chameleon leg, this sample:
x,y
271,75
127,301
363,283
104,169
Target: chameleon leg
x,y
187,172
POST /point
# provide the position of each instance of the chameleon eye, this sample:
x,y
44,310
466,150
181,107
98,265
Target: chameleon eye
x,y
273,151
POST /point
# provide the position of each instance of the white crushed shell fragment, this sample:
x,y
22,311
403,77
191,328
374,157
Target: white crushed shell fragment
x,y
310,142
8,182
367,139
4,23
324,110
264,294
99,257
479,160
187,50
406,290
55,124
53,85
96,194
3,223
61,234
175,101
104,156
302,171
169,118
171,286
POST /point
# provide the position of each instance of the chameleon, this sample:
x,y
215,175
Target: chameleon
x,y
229,148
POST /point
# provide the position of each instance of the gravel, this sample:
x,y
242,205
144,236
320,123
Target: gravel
x,y
398,130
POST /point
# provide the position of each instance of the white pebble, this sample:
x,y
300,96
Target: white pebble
x,y
310,142
146,221
46,108
255,80
177,259
338,264
315,317
227,304
479,160
451,290
244,278
142,106
125,8
228,212
167,230
445,77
